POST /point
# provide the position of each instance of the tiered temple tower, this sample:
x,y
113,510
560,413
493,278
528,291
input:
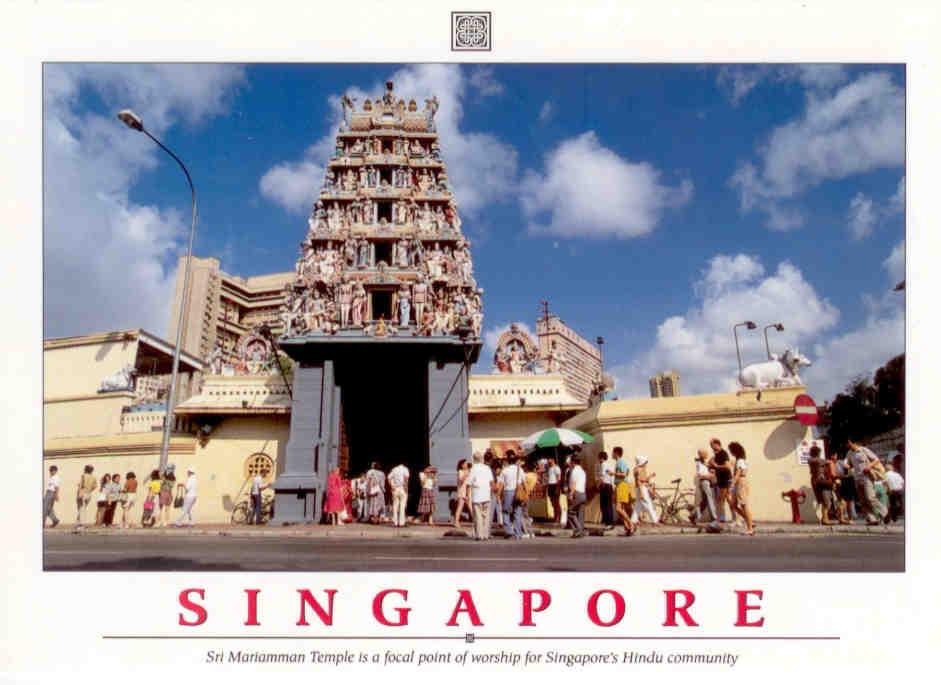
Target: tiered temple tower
x,y
384,310
384,254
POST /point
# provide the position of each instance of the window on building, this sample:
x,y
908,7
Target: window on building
x,y
259,464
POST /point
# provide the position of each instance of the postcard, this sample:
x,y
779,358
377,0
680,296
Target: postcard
x,y
541,341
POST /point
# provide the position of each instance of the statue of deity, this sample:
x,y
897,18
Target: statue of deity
x,y
416,253
420,297
359,305
405,307
440,221
348,105
345,297
402,261
317,313
431,108
349,181
442,325
417,149
362,260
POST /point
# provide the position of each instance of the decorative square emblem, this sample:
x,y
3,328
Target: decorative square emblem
x,y
470,30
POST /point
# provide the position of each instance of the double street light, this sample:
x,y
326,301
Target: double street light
x,y
134,122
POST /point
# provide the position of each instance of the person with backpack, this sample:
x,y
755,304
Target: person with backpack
x,y
524,494
509,480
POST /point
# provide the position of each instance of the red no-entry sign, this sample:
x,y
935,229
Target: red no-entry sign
x,y
805,410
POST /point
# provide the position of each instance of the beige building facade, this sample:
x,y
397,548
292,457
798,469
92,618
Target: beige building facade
x,y
221,308
578,360
231,424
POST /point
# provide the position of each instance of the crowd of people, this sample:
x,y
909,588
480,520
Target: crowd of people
x,y
492,490
162,493
379,498
858,485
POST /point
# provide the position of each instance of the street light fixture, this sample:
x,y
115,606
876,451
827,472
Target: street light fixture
x,y
132,121
776,326
751,326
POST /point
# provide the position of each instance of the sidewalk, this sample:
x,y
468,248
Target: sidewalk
x,y
360,531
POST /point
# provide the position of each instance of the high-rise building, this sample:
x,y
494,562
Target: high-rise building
x,y
666,384
222,307
568,353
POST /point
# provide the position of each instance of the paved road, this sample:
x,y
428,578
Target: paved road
x,y
647,553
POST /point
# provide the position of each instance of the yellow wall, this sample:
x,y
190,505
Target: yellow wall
x,y
219,466
91,415
670,430
78,370
505,426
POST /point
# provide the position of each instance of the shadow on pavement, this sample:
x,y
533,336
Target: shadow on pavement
x,y
145,564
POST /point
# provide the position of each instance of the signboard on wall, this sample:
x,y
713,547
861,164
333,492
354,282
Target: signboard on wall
x,y
803,450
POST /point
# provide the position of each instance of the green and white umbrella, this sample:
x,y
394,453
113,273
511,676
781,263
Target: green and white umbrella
x,y
555,437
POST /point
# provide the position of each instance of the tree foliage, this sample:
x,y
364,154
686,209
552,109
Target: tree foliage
x,y
867,407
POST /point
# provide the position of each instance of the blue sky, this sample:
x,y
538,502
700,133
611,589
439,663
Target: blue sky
x,y
651,204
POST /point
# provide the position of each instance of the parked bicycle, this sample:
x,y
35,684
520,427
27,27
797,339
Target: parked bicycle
x,y
243,512
678,506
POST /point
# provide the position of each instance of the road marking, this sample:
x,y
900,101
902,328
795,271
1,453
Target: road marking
x,y
413,558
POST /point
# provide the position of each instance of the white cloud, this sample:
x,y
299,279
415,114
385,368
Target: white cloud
x,y
546,111
894,264
588,190
109,263
293,185
897,201
862,350
699,344
481,168
862,216
865,214
856,129
738,80
482,78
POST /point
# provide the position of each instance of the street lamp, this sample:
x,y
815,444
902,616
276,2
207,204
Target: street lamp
x,y
134,122
776,326
751,326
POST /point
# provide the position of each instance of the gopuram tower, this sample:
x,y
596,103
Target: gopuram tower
x,y
384,316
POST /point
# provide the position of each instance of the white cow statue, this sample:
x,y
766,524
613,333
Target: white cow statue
x,y
119,380
778,372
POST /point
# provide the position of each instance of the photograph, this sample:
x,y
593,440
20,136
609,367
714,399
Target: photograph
x,y
473,316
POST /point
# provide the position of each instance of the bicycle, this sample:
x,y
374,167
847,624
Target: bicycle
x,y
243,513
678,507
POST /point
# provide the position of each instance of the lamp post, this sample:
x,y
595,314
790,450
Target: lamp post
x,y
776,326
751,326
133,121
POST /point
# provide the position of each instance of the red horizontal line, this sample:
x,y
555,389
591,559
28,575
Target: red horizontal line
x,y
475,638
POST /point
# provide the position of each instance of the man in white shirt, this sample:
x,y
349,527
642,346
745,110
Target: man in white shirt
x,y
705,482
258,486
512,512
398,481
51,496
480,483
554,486
896,486
576,493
